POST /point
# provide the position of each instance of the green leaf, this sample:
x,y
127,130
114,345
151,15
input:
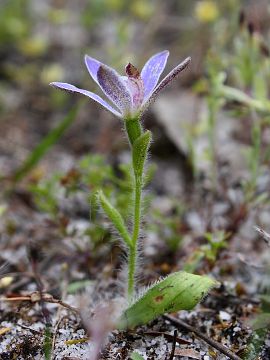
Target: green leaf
x,y
47,346
42,148
178,291
136,356
255,344
76,286
139,153
234,94
265,301
115,217
262,321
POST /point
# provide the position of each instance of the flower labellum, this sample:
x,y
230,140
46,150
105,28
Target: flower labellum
x,y
129,95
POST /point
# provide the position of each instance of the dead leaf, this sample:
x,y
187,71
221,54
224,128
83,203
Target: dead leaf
x,y
193,354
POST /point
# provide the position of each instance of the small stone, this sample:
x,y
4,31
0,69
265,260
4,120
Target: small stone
x,y
224,316
236,329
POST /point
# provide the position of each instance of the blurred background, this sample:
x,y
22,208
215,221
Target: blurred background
x,y
211,127
43,41
209,171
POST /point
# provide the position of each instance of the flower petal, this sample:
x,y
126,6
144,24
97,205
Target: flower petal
x,y
151,72
92,66
113,85
174,73
72,88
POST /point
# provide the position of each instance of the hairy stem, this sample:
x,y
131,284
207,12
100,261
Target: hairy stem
x,y
139,152
136,231
131,272
137,210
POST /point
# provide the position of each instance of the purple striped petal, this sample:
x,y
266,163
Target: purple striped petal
x,y
74,89
115,88
166,81
151,72
92,66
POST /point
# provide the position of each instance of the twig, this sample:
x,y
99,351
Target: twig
x,y
34,257
67,306
45,297
59,318
264,234
173,345
32,330
213,343
167,336
16,298
57,325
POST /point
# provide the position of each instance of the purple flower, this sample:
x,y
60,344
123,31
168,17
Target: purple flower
x,y
130,95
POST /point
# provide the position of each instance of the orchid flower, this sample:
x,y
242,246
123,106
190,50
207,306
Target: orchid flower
x,y
130,95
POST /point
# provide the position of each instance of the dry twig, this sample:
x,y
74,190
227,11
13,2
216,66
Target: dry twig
x,y
37,297
173,345
221,348
167,336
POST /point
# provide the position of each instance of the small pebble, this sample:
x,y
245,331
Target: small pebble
x,y
224,316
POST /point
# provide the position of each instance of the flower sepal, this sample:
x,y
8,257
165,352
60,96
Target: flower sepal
x,y
133,128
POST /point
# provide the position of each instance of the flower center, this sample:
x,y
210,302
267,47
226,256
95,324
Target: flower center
x,y
135,86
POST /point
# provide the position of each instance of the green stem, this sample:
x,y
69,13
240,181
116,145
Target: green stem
x,y
213,109
256,144
131,272
136,231
137,210
134,131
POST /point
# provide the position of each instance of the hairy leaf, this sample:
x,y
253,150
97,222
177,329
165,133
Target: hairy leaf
x,y
178,291
115,217
139,153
